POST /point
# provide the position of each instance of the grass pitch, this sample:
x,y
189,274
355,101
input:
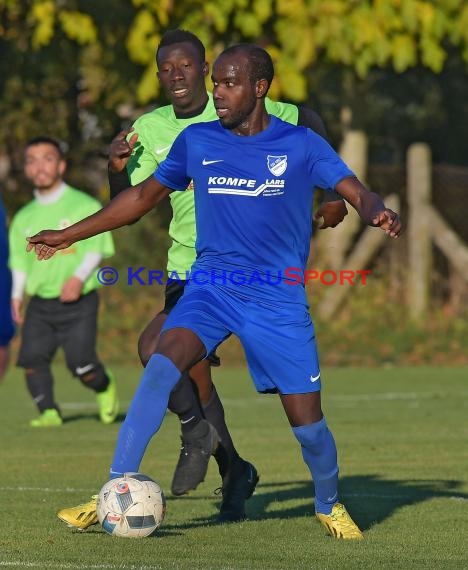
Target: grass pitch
x,y
402,441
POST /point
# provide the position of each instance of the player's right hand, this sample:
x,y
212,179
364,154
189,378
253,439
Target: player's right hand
x,y
121,149
47,242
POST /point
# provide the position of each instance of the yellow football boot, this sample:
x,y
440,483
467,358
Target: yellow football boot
x,y
82,516
339,524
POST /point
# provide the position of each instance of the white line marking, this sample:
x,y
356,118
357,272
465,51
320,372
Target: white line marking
x,y
85,405
385,396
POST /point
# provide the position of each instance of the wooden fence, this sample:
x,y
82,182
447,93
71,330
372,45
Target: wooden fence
x,y
425,228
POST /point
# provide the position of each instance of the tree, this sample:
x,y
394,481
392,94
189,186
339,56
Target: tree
x,y
69,68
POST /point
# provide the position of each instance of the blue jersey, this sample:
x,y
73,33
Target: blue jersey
x,y
261,189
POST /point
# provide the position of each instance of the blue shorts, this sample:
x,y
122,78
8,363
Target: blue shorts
x,y
279,342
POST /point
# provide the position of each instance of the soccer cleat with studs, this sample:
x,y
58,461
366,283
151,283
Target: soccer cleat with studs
x,y
195,452
48,418
81,516
239,487
339,524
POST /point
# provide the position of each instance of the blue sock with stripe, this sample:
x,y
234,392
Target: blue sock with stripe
x,y
319,453
145,414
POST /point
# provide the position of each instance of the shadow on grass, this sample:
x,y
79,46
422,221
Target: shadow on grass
x,y
369,498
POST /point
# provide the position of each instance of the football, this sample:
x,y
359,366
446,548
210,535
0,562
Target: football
x,y
131,506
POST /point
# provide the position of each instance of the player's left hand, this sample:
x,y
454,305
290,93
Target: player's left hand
x,y
71,289
389,221
47,242
330,214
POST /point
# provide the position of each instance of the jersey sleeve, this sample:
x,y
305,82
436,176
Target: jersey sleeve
x,y
326,167
172,172
142,162
312,120
20,259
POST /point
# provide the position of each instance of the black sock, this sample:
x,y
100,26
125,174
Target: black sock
x,y
184,402
95,378
226,455
40,385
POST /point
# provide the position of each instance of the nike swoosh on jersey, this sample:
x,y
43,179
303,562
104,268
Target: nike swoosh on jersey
x,y
315,378
206,162
161,150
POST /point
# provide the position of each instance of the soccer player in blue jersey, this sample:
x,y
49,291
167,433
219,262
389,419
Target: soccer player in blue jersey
x,y
182,68
258,174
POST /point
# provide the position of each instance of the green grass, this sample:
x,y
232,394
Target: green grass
x,y
401,435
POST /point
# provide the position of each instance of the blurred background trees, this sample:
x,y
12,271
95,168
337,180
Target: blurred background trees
x,y
80,68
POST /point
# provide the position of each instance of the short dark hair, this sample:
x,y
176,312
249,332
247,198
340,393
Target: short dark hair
x,y
44,139
260,64
178,36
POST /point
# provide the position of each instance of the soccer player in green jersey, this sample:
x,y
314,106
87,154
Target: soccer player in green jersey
x,y
134,156
63,305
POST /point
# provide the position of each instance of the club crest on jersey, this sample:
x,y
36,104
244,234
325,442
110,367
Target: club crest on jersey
x,y
277,164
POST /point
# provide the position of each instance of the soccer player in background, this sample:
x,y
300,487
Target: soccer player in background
x,y
63,308
7,329
182,70
257,173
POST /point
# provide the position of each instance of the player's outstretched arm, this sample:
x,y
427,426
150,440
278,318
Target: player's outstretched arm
x,y
128,206
369,206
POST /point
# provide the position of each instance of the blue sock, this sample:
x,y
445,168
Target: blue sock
x,y
145,415
319,453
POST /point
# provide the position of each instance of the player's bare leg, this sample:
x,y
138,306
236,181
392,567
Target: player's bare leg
x,y
318,447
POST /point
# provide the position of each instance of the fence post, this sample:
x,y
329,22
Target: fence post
x,y
419,186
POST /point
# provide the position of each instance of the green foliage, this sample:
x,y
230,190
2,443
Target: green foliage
x,y
106,62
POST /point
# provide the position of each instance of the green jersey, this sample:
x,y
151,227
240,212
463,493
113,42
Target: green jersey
x,y
45,279
157,130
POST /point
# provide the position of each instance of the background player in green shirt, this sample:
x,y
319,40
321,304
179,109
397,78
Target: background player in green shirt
x,y
134,156
64,303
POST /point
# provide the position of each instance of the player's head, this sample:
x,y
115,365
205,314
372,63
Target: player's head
x,y
182,69
241,76
44,162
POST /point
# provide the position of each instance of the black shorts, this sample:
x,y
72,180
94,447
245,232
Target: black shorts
x,y
174,291
50,324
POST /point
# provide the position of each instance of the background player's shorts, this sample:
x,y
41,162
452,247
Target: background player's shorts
x,y
279,342
173,292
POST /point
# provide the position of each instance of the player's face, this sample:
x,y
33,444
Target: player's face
x,y
44,166
233,92
182,74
